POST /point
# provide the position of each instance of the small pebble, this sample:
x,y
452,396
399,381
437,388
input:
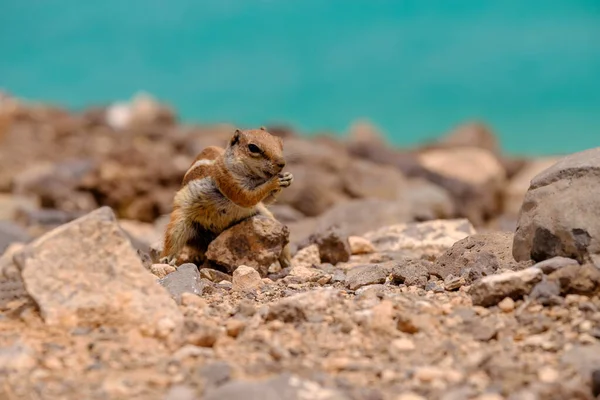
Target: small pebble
x,y
548,375
507,305
403,344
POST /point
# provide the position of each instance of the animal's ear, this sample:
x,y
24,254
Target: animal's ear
x,y
235,138
262,128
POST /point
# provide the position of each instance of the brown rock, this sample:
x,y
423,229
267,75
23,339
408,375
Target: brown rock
x,y
333,245
577,279
86,273
245,279
478,255
411,272
473,134
364,179
360,245
256,242
559,213
429,239
473,176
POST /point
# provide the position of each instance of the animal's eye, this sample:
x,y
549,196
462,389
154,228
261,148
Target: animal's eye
x,y
253,148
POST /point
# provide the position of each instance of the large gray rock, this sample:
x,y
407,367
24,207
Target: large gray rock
x,y
86,273
559,216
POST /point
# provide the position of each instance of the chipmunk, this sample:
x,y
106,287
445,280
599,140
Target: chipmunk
x,y
223,187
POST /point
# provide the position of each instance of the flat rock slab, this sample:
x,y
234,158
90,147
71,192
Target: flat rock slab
x,y
86,273
430,239
490,290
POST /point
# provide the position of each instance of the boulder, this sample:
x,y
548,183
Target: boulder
x,y
256,242
85,273
429,239
559,216
478,255
577,279
365,179
473,176
472,134
514,192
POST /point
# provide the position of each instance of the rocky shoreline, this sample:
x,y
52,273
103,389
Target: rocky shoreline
x,y
447,271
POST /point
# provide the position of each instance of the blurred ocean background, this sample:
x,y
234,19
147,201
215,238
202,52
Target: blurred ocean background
x,y
416,69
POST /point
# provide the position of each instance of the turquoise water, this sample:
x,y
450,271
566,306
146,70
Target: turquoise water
x,y
531,69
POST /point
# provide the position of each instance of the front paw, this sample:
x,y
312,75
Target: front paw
x,y
285,179
170,260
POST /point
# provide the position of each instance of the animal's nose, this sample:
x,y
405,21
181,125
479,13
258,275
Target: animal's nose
x,y
281,164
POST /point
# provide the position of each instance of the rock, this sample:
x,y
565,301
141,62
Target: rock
x,y
473,176
304,306
364,275
186,279
429,201
285,213
360,245
308,257
584,358
333,245
490,290
596,382
472,134
315,188
430,239
12,287
516,189
454,282
365,179
546,292
547,227
12,205
577,279
56,185
181,392
161,270
93,255
478,255
256,242
507,304
17,357
303,274
11,233
367,215
280,387
215,374
411,273
555,263
214,275
246,279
